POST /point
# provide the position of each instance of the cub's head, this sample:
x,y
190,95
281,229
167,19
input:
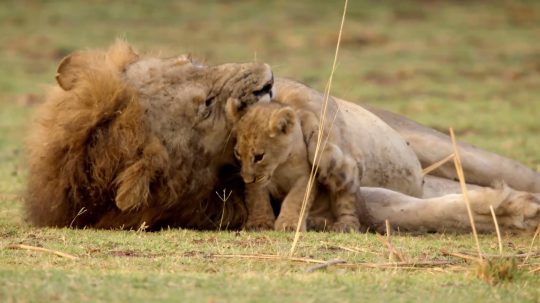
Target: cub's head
x,y
266,133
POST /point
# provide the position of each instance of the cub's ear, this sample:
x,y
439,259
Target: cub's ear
x,y
234,109
282,121
69,69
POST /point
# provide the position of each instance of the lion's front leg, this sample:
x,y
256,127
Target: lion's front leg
x,y
341,175
292,206
321,217
344,209
260,212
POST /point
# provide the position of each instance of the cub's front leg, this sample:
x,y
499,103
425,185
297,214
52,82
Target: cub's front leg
x,y
260,212
292,206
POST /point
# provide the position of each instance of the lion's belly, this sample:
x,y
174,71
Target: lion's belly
x,y
388,161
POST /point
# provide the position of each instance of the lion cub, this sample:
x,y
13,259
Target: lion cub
x,y
272,150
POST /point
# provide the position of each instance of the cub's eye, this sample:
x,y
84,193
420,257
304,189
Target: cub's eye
x,y
258,158
236,154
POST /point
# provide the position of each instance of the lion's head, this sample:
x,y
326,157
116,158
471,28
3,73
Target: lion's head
x,y
194,95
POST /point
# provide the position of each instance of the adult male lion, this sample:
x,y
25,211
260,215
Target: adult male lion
x,y
126,141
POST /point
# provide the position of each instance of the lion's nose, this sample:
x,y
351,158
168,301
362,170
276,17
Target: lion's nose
x,y
264,91
266,88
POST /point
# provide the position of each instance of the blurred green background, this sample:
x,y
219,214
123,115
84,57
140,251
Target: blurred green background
x,y
471,65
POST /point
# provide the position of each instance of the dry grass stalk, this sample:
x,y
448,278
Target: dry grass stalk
x,y
41,249
461,176
388,228
472,255
499,239
81,211
389,265
324,265
392,250
268,257
461,256
223,199
348,248
319,138
399,265
437,164
143,227
532,243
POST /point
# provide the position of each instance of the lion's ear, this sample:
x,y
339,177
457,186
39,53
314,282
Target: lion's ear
x,y
119,55
68,71
282,121
234,109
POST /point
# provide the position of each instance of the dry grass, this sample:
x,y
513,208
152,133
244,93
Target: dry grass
x,y
462,183
321,142
41,249
437,164
491,270
497,230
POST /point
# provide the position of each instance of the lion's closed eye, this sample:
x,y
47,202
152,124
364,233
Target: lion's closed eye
x,y
210,101
205,108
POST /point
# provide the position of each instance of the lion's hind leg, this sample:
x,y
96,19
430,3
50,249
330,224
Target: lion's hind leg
x,y
515,210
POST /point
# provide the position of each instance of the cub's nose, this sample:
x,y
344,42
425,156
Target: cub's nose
x,y
248,179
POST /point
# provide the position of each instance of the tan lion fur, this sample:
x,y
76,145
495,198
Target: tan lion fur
x,y
127,141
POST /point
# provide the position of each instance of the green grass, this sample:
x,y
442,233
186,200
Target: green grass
x,y
471,65
179,266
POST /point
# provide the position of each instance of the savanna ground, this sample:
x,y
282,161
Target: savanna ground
x,y
474,66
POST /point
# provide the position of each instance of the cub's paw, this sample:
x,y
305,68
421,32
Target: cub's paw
x,y
259,225
346,226
287,225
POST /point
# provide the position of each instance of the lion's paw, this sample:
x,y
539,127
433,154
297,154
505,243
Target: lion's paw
x,y
259,225
515,210
346,226
523,207
287,225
